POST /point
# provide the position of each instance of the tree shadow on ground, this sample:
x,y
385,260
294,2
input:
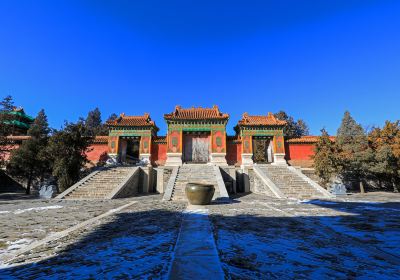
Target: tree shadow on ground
x,y
253,243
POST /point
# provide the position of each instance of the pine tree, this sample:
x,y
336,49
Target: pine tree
x,y
93,122
6,106
94,125
30,161
386,145
302,128
68,148
112,117
325,158
353,151
293,128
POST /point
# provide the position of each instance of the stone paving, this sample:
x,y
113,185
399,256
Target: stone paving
x,y
352,238
257,237
135,243
25,221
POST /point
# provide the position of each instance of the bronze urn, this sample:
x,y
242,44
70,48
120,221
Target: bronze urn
x,y
199,194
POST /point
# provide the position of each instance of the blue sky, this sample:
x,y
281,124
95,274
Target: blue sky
x,y
313,59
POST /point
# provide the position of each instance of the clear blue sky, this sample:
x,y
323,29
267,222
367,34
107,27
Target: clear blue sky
x,y
313,59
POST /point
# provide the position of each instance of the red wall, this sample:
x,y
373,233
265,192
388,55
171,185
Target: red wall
x,y
8,150
299,151
97,152
158,153
233,153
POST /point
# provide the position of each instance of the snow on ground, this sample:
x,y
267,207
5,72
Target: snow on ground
x,y
257,242
136,243
256,237
20,211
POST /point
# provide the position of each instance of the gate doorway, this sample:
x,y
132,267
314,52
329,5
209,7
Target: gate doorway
x,y
130,150
196,147
262,150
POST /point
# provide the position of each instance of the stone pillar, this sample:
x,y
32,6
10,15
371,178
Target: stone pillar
x,y
160,179
247,151
279,150
174,148
218,148
146,179
245,180
232,173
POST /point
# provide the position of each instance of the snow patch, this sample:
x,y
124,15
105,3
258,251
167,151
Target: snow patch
x,y
20,211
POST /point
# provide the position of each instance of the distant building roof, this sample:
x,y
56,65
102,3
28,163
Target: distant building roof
x,y
268,120
196,114
19,111
17,138
310,139
100,140
141,121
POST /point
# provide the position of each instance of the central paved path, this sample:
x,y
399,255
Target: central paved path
x,y
196,256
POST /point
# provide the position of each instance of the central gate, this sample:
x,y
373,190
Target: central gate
x,y
262,150
196,148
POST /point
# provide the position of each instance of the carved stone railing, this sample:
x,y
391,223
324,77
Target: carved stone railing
x,y
128,186
223,193
268,182
311,182
77,185
171,184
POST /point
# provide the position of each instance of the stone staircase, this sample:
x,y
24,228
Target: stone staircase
x,y
291,184
199,173
100,184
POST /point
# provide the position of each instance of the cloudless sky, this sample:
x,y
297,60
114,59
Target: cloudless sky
x,y
312,58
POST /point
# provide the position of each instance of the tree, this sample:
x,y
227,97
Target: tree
x,y
325,158
112,117
293,128
94,125
385,143
68,148
6,106
353,151
30,161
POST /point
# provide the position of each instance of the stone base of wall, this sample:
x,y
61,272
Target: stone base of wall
x,y
247,160
279,159
218,159
174,159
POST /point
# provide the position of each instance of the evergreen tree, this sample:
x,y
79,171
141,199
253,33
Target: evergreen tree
x,y
30,161
112,117
94,125
293,128
302,128
6,106
386,145
68,148
353,151
325,158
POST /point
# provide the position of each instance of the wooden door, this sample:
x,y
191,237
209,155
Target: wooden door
x,y
197,148
261,151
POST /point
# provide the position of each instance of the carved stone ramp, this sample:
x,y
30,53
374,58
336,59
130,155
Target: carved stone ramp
x,y
108,183
198,173
196,256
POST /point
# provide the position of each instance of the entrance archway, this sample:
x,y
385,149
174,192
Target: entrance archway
x,y
262,149
130,149
196,147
